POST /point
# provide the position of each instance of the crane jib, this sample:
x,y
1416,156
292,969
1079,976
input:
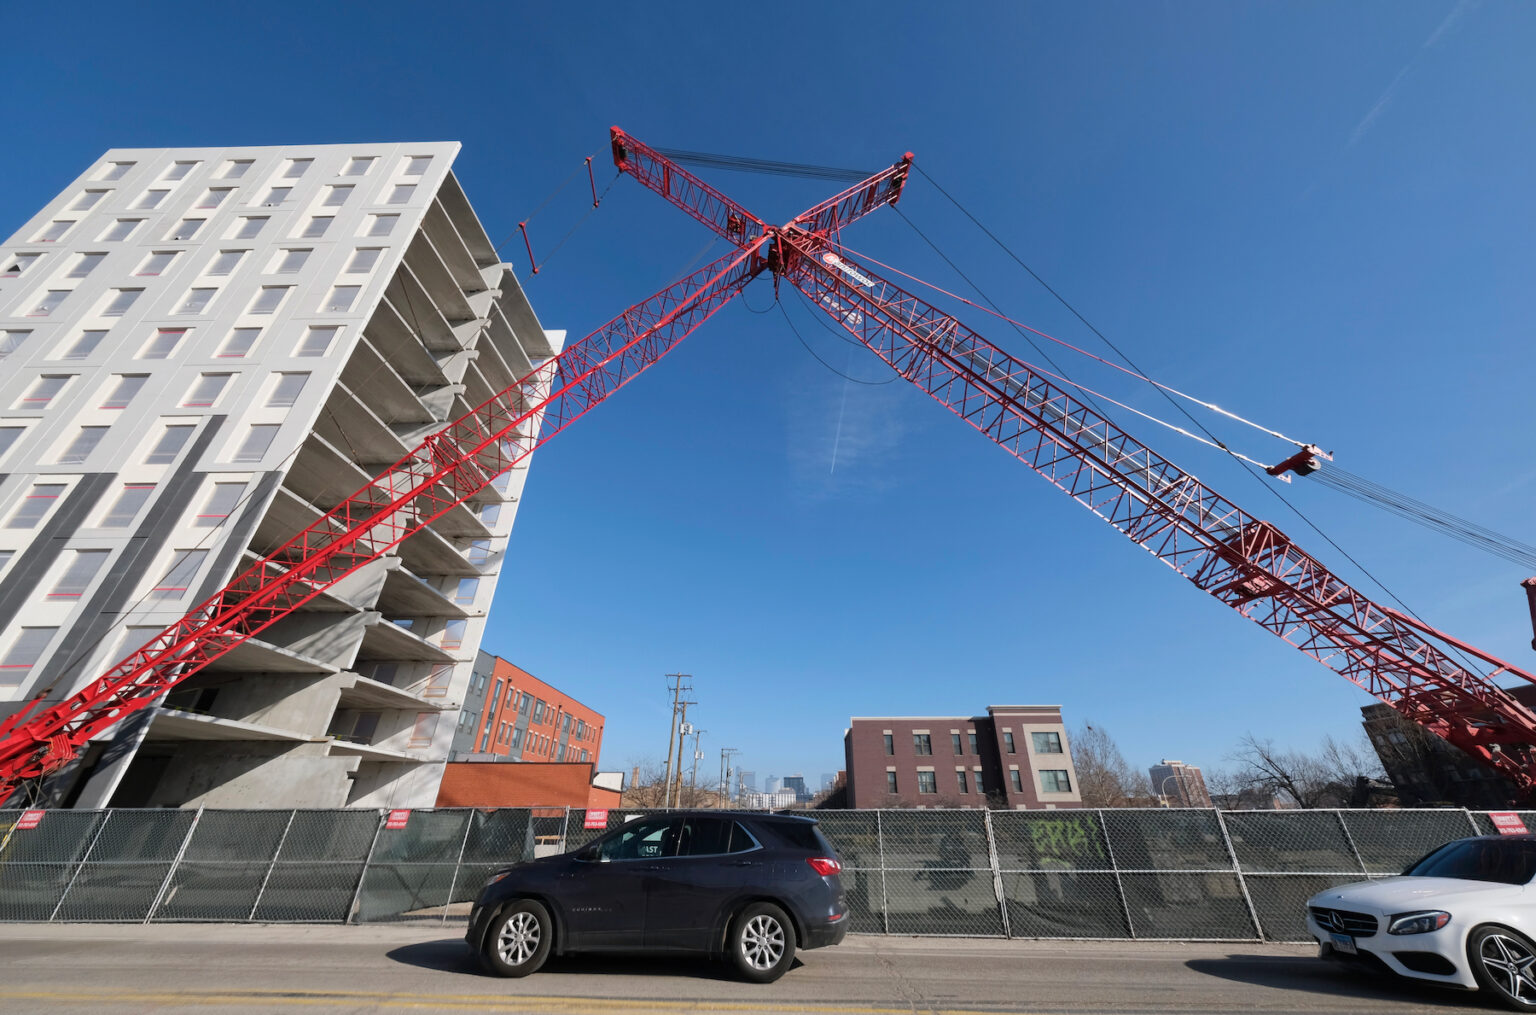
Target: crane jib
x,y
1240,560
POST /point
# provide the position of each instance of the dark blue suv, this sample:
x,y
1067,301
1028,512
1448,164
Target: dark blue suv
x,y
750,887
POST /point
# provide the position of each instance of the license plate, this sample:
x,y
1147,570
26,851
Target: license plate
x,y
1344,943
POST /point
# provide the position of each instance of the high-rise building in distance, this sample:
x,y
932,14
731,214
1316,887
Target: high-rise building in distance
x,y
204,350
1179,785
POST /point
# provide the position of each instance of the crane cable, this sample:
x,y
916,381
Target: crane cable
x,y
1053,376
1427,515
1258,476
584,164
1212,406
1341,480
741,164
818,359
1332,476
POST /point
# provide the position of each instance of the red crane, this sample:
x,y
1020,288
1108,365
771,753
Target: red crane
x,y
1243,561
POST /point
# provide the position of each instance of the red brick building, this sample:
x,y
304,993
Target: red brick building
x,y
522,718
1015,756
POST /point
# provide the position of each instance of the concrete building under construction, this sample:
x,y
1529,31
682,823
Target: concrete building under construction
x,y
203,351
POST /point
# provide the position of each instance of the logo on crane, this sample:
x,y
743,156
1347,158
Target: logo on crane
x,y
832,259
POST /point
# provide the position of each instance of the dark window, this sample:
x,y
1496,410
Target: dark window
x,y
705,837
1502,861
890,744
1008,742
643,840
922,743
972,738
927,782
890,782
741,839
1016,779
803,835
954,741
1045,743
979,787
960,779
1055,781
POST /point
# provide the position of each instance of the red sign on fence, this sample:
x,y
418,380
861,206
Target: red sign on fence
x,y
29,819
397,819
596,819
1507,822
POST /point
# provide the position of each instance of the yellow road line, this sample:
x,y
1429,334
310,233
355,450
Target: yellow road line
x,y
495,1002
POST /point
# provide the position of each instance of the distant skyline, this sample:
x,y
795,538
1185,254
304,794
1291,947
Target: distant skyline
x,y
1315,214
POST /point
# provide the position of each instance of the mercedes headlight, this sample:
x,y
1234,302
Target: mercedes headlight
x,y
1421,922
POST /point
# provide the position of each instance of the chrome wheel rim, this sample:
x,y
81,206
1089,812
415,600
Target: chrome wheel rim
x,y
1508,962
762,942
519,939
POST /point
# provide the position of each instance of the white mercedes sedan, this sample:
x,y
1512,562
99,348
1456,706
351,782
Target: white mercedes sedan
x,y
1464,916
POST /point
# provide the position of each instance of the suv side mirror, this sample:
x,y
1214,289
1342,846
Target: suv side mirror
x,y
589,853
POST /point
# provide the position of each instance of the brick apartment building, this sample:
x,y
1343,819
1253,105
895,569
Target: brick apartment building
x,y
1178,784
1016,756
514,716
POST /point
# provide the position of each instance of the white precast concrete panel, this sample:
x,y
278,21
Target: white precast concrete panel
x,y
288,321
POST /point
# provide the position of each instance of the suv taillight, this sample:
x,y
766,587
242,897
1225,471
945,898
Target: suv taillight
x,y
824,865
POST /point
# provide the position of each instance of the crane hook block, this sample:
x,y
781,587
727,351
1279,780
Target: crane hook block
x,y
1303,463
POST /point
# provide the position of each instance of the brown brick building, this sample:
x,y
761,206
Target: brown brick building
x,y
519,717
1178,784
1015,757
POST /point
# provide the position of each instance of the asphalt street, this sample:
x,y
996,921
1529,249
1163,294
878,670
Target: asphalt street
x,y
187,968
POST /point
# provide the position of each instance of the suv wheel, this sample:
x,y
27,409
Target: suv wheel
x,y
762,943
1504,963
518,940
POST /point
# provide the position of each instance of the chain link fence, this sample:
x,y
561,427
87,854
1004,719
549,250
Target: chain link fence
x,y
1146,874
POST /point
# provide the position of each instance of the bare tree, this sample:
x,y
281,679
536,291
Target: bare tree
x,y
1231,790
1326,777
647,788
1104,777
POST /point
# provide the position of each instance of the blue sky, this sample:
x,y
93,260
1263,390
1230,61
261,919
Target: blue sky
x,y
1317,214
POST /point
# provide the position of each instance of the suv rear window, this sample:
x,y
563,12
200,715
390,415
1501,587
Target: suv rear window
x,y
803,835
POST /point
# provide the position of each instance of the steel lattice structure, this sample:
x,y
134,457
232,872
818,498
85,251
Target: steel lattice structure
x,y
1241,560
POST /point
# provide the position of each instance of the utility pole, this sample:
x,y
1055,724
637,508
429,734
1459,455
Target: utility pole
x,y
683,729
693,780
726,754
677,684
